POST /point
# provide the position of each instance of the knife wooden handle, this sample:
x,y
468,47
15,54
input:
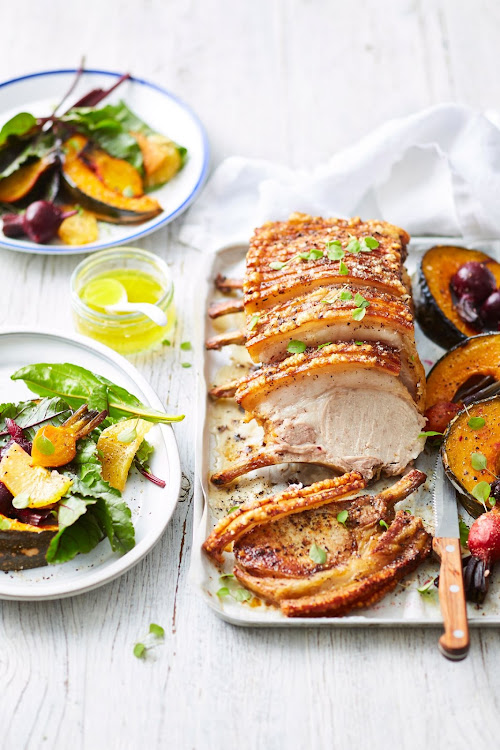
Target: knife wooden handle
x,y
454,643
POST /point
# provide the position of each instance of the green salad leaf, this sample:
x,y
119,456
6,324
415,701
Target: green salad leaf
x,y
78,386
20,124
81,537
37,147
27,413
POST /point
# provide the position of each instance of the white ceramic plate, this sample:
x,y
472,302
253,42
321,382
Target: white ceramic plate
x,y
151,506
40,92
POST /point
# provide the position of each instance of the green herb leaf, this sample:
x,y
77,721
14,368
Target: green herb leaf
x,y
343,270
296,347
482,491
317,554
140,650
277,265
157,630
360,301
475,423
327,343
369,243
223,591
5,524
166,342
235,507
253,321
226,575
313,254
478,461
186,364
78,386
359,343
44,445
353,246
330,244
359,313
335,253
17,125
345,295
383,524
429,433
127,436
464,532
427,588
186,346
22,500
342,516
241,595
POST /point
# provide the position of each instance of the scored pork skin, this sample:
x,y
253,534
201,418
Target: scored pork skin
x,y
283,240
343,406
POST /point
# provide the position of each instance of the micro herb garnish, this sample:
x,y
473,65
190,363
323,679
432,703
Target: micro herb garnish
x,y
22,500
223,591
330,244
342,517
140,650
157,630
186,346
478,461
343,270
335,253
327,343
166,342
359,343
253,321
241,595
383,524
464,532
314,254
353,246
186,364
331,298
482,492
427,587
235,507
359,313
277,265
360,301
475,423
128,436
430,433
345,295
317,554
226,575
368,244
44,445
4,524
296,347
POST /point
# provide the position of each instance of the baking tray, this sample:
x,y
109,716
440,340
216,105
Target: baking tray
x,y
405,606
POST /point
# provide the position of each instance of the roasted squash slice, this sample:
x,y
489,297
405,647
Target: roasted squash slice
x,y
18,474
116,174
473,437
465,363
23,545
435,310
23,180
88,189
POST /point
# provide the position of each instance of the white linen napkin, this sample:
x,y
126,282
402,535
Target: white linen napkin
x,y
436,172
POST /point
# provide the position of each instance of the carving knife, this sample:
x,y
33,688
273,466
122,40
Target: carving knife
x,y
454,643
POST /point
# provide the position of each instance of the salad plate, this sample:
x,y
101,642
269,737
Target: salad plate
x,y
151,506
39,93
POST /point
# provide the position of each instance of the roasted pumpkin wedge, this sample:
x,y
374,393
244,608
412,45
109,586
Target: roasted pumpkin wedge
x,y
23,180
116,174
471,365
41,487
88,189
435,308
471,453
23,545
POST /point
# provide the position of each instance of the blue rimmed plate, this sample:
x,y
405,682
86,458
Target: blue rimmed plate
x,y
38,93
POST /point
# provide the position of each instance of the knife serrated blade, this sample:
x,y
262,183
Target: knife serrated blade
x,y
454,643
444,504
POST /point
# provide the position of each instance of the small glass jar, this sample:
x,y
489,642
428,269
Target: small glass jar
x,y
127,333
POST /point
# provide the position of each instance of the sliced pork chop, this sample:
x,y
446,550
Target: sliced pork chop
x,y
342,406
364,560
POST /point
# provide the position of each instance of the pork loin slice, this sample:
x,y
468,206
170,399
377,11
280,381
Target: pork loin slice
x,y
325,315
363,560
343,406
283,241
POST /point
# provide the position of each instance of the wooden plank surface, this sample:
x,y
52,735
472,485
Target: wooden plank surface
x,y
290,81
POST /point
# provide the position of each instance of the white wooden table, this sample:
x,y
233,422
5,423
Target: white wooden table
x,y
289,81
